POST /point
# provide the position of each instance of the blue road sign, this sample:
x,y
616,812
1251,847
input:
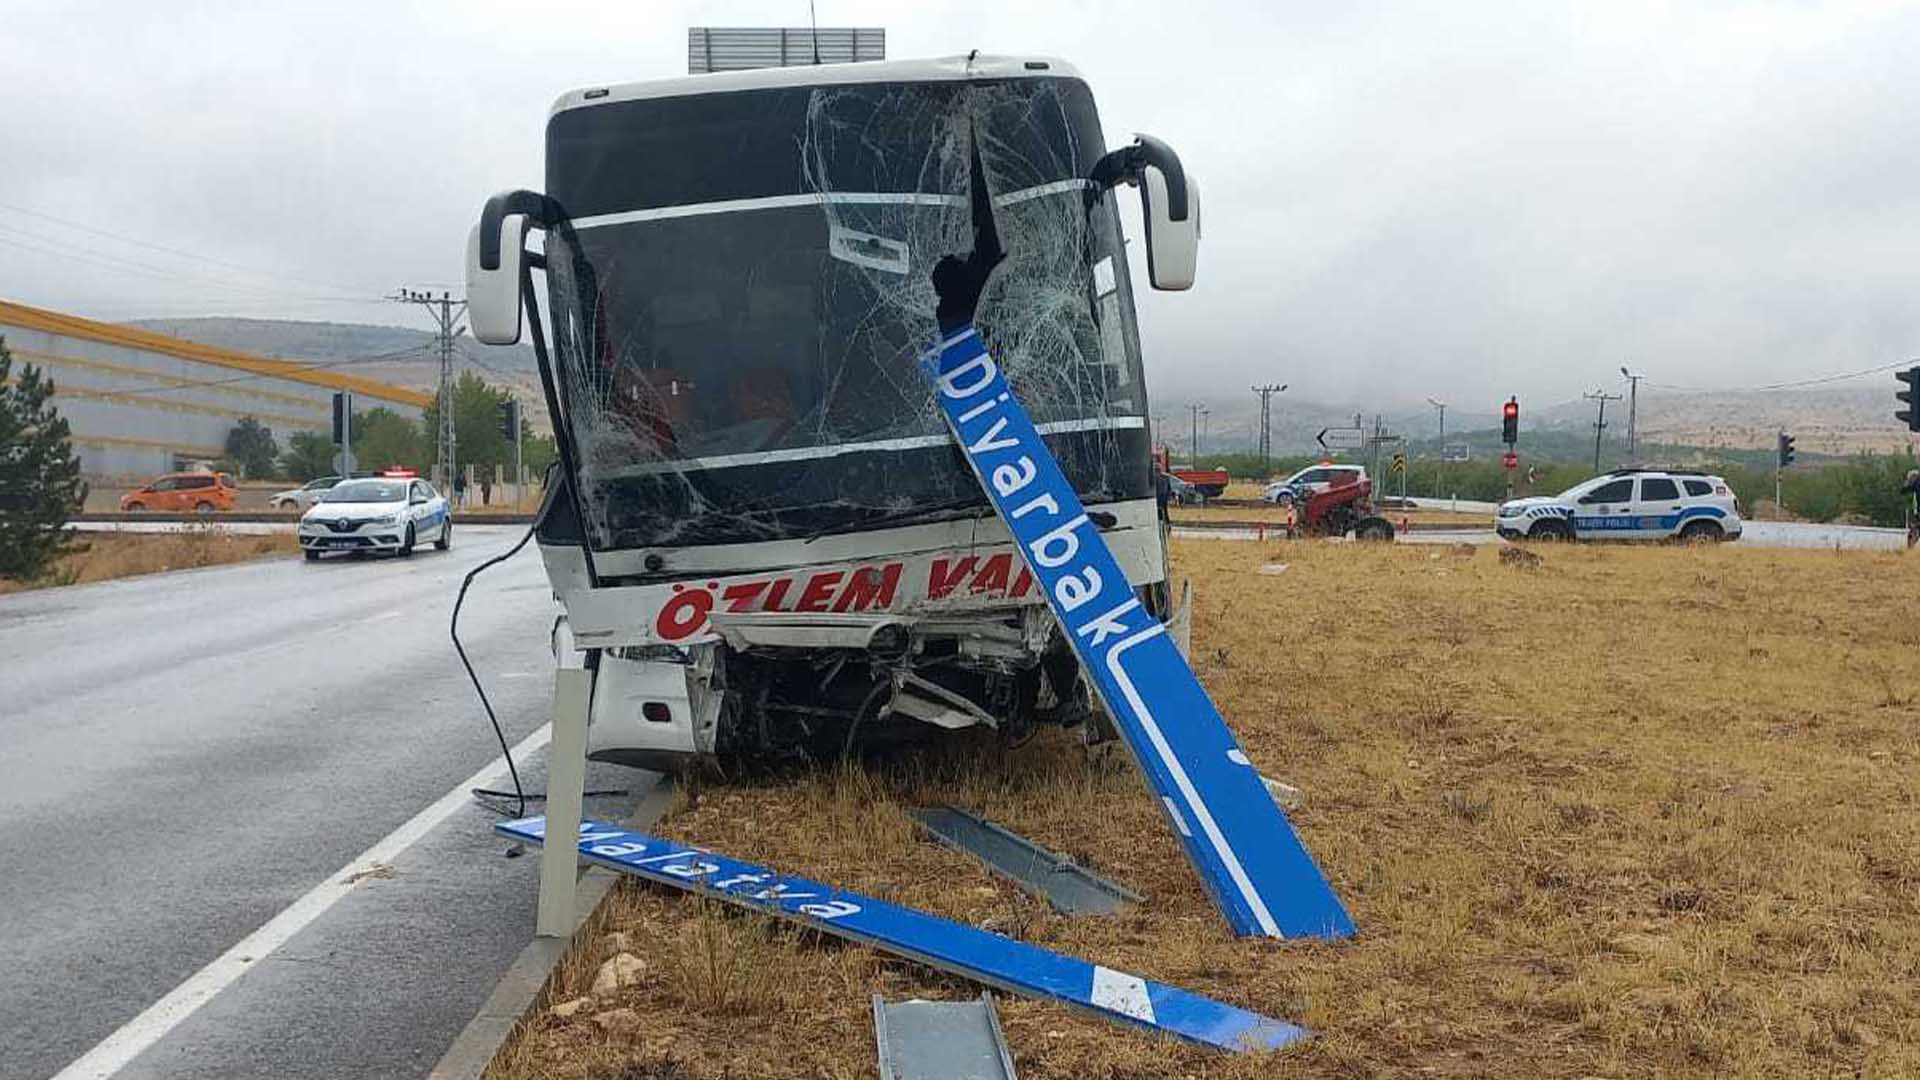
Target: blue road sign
x,y
1261,878
997,961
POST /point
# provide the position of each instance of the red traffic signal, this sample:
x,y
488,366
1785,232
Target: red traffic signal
x,y
1510,422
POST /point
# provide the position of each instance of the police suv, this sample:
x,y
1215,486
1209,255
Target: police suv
x,y
384,513
1627,504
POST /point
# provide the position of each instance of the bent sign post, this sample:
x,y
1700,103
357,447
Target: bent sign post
x,y
1260,876
998,961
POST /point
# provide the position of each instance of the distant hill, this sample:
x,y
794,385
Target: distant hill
x,y
394,354
1839,420
1722,426
325,341
1858,417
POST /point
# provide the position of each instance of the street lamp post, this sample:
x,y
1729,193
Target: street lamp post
x,y
1440,467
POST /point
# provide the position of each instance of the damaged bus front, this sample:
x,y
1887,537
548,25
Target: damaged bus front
x,y
762,534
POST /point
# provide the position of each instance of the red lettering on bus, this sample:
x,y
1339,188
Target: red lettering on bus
x,y
943,576
869,589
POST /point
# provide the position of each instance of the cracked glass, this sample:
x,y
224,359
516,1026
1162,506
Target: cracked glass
x,y
737,330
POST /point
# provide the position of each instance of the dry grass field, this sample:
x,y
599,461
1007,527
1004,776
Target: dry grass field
x,y
1276,515
117,555
1637,811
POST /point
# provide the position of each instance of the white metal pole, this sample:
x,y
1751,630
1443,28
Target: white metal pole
x,y
566,784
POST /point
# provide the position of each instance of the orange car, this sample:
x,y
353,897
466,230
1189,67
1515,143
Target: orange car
x,y
199,491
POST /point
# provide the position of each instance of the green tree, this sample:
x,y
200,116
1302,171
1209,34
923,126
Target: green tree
x,y
538,452
251,446
383,438
476,423
309,454
40,485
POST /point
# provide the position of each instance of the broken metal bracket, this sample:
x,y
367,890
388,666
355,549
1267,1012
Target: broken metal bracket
x,y
940,1040
967,951
1070,888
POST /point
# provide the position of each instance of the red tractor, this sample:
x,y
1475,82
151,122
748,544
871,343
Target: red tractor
x,y
1344,506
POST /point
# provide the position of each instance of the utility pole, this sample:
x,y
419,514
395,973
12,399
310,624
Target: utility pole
x,y
1440,467
1193,440
1266,426
1373,470
1633,414
445,311
1600,422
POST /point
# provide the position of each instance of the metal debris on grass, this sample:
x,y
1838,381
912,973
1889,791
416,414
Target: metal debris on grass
x,y
940,1040
1070,888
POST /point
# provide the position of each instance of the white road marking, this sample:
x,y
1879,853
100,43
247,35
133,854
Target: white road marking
x,y
119,1049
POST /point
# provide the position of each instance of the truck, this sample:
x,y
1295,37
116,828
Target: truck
x,y
1207,483
764,540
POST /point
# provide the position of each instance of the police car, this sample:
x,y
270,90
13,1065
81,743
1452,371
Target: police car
x,y
383,513
1627,504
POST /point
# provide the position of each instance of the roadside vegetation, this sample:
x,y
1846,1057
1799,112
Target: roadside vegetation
x,y
40,485
383,438
1864,489
1628,811
107,555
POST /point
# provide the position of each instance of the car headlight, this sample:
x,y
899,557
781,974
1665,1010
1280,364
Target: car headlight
x,y
390,519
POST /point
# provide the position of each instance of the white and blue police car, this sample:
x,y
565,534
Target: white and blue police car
x,y
381,513
1627,504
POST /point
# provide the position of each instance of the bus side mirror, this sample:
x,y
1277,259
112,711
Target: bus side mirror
x,y
493,294
1173,247
1169,204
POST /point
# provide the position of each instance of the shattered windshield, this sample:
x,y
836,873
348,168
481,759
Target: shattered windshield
x,y
744,288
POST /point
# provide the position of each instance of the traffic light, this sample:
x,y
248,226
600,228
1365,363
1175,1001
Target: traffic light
x,y
1510,421
1786,449
510,419
342,412
1910,396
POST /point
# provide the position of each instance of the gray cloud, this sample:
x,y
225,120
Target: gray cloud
x,y
1400,199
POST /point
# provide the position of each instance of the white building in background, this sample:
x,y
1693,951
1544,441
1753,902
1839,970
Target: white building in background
x,y
142,403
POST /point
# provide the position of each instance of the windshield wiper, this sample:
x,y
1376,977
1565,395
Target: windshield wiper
x,y
1101,518
900,516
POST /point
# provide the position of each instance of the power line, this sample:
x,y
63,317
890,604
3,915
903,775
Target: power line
x,y
1815,381
122,237
44,245
461,348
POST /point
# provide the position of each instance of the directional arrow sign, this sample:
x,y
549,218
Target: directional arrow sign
x,y
1341,438
1261,878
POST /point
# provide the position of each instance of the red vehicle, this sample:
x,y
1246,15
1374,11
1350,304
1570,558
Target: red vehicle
x,y
1211,483
1345,506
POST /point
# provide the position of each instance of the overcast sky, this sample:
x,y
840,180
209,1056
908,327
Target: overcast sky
x,y
1401,200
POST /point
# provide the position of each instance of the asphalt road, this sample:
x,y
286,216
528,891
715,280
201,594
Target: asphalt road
x,y
183,756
